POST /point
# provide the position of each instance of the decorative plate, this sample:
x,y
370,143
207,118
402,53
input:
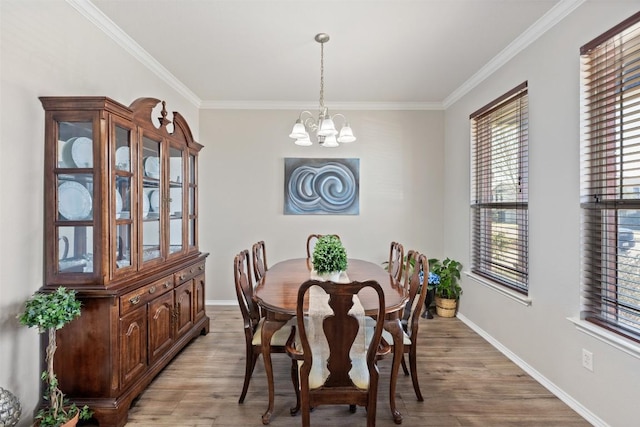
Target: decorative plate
x,y
67,160
152,167
74,200
145,205
118,204
154,198
122,159
82,152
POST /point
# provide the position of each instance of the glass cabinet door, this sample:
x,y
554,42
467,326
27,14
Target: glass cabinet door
x,y
121,201
176,184
192,208
74,220
151,200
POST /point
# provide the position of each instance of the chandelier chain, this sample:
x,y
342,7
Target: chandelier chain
x,y
322,76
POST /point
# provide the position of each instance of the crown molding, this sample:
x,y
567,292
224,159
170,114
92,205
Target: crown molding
x,y
556,14
313,105
103,22
537,29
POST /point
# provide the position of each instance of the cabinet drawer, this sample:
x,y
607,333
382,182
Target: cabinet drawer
x,y
189,272
142,295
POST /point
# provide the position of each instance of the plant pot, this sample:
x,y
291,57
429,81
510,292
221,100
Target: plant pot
x,y
72,422
333,276
446,307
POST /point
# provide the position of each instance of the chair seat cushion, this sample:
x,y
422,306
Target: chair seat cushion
x,y
371,322
279,338
386,335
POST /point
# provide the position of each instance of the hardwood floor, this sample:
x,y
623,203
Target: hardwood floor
x,y
464,381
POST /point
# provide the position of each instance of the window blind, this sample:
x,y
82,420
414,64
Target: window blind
x,y
610,172
499,199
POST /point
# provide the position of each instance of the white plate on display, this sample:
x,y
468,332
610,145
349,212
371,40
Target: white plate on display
x,y
82,152
154,198
118,204
152,167
145,205
74,200
122,159
66,153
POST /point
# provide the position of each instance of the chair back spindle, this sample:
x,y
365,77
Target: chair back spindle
x,y
259,253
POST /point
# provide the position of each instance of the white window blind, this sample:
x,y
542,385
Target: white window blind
x,y
610,172
499,199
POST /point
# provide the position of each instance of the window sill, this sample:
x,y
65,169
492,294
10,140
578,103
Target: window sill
x,y
627,346
515,296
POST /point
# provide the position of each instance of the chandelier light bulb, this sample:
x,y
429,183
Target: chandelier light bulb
x,y
346,134
304,141
298,131
330,142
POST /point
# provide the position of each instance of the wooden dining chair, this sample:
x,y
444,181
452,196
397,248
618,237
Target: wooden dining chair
x,y
417,288
396,260
252,320
259,253
311,243
330,379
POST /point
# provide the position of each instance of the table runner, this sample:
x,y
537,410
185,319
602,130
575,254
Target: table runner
x,y
319,309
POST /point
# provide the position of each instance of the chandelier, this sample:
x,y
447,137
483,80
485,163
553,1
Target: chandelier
x,y
324,127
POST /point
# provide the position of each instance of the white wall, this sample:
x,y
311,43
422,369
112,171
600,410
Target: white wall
x,y
539,335
47,48
242,186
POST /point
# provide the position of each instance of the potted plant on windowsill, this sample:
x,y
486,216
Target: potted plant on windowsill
x,y
329,258
443,277
49,312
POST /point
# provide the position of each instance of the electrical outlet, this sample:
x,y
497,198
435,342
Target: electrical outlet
x,y
587,359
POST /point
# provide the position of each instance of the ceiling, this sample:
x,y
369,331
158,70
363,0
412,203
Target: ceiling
x,y
252,53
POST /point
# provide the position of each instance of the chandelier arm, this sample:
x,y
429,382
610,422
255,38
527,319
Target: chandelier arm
x,y
344,119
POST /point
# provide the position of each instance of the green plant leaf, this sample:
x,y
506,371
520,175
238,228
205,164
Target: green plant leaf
x,y
329,255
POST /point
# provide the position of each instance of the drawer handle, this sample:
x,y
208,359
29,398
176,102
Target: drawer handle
x,y
201,268
191,270
181,277
166,285
152,289
135,300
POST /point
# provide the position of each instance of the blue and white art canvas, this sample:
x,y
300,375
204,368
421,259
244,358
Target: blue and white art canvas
x,y
321,186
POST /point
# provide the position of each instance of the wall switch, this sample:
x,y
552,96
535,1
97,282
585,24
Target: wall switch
x,y
587,359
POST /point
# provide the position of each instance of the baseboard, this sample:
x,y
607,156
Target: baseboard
x,y
221,302
557,391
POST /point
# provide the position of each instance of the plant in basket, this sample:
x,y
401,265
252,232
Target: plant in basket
x,y
48,312
443,278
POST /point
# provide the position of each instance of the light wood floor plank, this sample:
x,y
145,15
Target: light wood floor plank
x,y
464,380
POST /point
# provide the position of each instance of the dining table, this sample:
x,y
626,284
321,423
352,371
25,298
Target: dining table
x,y
277,293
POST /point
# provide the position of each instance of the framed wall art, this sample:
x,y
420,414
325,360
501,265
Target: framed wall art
x,y
321,186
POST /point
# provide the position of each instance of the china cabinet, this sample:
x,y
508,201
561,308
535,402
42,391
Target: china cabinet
x,y
121,227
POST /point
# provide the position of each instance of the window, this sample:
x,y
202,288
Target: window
x,y
499,190
610,176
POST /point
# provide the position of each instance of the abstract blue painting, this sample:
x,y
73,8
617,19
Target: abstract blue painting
x,y
321,186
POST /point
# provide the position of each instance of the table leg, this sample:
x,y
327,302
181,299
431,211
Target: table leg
x,y
268,329
395,329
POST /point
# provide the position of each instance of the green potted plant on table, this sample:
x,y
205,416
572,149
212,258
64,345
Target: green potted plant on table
x,y
329,257
49,312
443,277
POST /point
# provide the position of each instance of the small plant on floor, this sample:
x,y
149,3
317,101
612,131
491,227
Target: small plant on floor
x,y
49,312
443,277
